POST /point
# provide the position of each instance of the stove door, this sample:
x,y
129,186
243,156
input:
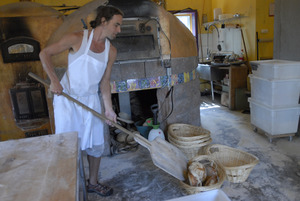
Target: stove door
x,y
138,39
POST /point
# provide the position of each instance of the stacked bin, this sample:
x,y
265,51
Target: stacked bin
x,y
275,91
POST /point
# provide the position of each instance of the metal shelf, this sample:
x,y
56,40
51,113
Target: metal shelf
x,y
221,21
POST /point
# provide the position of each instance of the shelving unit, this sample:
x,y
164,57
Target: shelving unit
x,y
237,79
221,21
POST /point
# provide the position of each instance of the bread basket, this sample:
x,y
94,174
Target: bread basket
x,y
236,163
187,133
221,177
190,139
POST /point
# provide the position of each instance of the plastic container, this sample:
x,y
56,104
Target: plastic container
x,y
213,195
217,12
276,69
274,121
144,130
275,93
156,132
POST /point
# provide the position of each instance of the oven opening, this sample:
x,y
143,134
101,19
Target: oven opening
x,y
140,104
138,40
20,49
29,102
134,43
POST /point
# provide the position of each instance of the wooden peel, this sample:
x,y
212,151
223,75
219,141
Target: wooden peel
x,y
247,59
164,155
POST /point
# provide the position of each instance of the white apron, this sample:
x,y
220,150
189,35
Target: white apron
x,y
81,81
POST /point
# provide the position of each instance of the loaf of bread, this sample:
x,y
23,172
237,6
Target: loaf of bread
x,y
196,173
210,180
211,175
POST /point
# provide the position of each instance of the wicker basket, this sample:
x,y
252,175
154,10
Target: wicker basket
x,y
221,175
237,164
192,150
186,132
191,143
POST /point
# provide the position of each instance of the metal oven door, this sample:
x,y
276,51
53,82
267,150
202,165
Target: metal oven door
x,y
138,40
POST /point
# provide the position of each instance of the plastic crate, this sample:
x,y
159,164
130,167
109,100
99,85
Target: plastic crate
x,y
275,93
276,69
274,121
213,195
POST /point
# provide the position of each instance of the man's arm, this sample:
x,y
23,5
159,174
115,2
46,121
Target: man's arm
x,y
106,88
67,42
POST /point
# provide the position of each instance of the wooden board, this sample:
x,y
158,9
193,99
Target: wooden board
x,y
237,79
39,168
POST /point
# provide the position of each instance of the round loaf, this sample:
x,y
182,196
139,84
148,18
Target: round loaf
x,y
211,176
196,173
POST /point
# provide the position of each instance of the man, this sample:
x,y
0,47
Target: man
x,y
90,61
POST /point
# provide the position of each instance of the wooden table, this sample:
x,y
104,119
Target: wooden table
x,y
39,168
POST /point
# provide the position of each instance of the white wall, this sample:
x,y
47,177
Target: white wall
x,y
229,38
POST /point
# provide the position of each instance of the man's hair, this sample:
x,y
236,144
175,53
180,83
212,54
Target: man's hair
x,y
107,12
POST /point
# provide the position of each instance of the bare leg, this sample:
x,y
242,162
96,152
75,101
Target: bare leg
x,y
94,186
94,164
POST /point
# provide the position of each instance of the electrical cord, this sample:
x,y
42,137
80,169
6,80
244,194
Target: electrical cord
x,y
172,104
170,91
160,29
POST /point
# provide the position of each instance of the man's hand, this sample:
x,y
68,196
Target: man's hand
x,y
56,88
110,114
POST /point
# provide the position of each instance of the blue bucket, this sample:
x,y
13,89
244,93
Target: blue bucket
x,y
144,130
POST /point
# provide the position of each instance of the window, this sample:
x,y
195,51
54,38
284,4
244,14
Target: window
x,y
186,19
189,18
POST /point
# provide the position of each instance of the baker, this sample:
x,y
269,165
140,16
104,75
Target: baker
x,y
90,60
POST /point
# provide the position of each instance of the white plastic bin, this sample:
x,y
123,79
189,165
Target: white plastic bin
x,y
274,121
213,195
275,93
276,69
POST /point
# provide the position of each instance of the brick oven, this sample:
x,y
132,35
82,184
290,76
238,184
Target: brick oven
x,y
157,58
156,63
24,109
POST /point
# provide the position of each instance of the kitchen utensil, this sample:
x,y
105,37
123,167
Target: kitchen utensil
x,y
164,155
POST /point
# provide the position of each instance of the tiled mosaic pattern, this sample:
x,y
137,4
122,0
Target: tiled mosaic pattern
x,y
152,82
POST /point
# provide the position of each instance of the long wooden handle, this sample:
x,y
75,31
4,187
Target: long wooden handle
x,y
141,140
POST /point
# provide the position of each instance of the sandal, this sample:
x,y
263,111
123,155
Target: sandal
x,y
100,189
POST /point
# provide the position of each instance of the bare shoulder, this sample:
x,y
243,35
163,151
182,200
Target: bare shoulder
x,y
75,39
77,34
112,52
113,48
71,37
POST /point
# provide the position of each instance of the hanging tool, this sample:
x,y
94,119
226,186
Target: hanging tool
x,y
247,60
164,155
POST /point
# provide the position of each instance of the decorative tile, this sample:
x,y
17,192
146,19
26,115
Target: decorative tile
x,y
152,82
164,80
180,78
155,82
174,79
113,87
121,86
144,83
133,84
192,75
186,77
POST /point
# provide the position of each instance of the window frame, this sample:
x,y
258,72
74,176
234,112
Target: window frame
x,y
194,20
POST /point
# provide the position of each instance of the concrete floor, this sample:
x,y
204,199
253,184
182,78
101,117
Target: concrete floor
x,y
276,177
